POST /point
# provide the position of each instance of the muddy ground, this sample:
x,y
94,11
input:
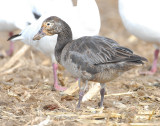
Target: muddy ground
x,y
25,86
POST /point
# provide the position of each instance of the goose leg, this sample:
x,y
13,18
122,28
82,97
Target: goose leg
x,y
154,64
81,92
56,85
102,92
11,48
79,82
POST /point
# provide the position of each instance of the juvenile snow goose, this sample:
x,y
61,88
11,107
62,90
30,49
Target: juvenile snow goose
x,y
89,58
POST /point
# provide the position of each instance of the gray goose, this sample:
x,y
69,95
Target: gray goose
x,y
89,58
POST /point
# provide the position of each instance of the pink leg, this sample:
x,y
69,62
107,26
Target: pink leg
x,y
56,86
154,64
11,48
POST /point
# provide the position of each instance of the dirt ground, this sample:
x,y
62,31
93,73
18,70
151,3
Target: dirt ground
x,y
25,86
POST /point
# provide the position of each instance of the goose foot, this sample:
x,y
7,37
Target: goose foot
x,y
59,88
154,64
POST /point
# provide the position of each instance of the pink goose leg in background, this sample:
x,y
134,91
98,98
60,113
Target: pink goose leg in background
x,y
11,47
154,64
56,85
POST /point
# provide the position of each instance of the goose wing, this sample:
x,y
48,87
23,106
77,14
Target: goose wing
x,y
89,52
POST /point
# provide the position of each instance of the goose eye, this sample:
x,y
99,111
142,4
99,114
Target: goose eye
x,y
48,24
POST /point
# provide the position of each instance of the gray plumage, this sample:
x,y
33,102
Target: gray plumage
x,y
90,58
98,59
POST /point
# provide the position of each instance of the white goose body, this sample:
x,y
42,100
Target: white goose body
x,y
42,7
141,18
15,14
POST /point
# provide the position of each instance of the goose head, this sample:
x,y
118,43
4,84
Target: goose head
x,y
50,26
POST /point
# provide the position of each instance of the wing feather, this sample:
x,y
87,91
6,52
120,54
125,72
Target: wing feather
x,y
88,52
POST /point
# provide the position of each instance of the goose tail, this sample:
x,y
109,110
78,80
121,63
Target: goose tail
x,y
137,60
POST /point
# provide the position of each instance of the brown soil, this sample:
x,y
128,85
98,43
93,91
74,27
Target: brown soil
x,y
26,97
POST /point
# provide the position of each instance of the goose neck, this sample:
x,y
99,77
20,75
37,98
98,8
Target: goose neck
x,y
63,39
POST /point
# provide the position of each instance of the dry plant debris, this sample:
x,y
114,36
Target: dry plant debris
x,y
26,80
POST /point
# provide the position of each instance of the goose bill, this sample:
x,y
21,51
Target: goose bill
x,y
39,35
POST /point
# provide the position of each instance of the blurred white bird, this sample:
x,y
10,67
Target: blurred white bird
x,y
84,20
14,14
142,19
41,7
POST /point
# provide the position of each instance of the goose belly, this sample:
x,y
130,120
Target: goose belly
x,y
107,76
110,72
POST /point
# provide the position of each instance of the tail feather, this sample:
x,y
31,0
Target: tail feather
x,y
137,59
137,62
15,37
